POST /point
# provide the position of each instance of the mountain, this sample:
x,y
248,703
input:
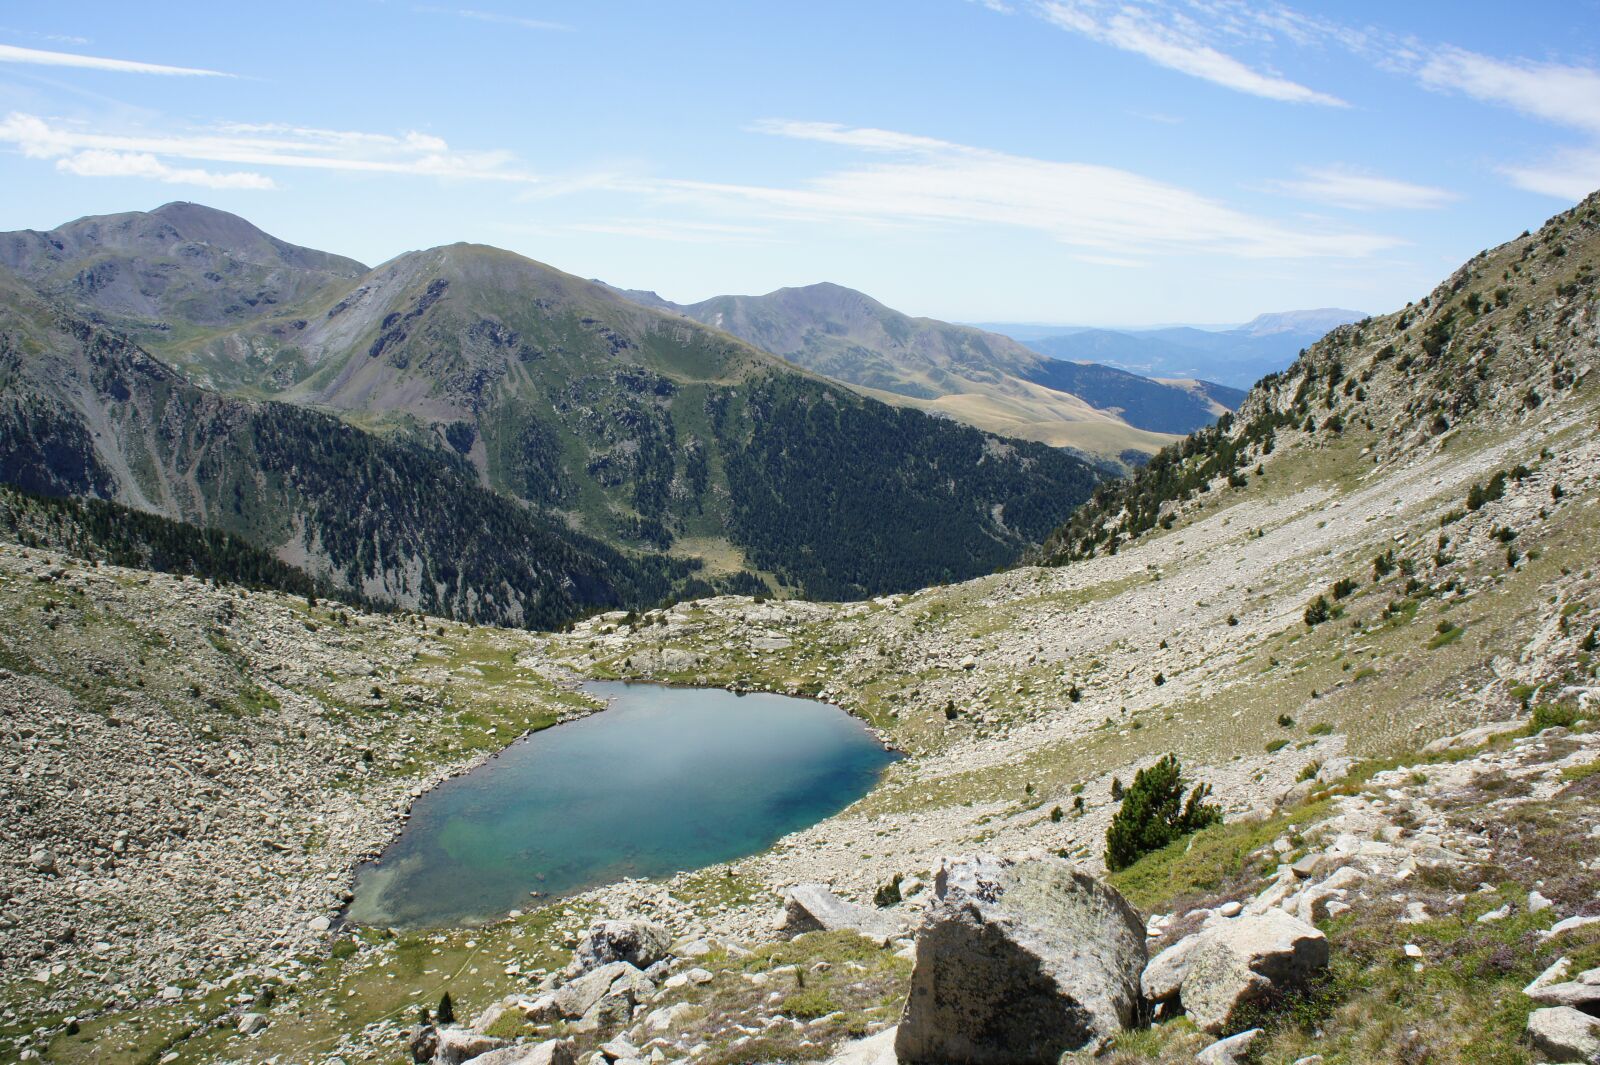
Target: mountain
x,y
86,413
1362,613
984,379
576,415
1236,357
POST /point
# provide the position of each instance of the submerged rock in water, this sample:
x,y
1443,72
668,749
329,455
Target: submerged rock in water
x,y
1018,962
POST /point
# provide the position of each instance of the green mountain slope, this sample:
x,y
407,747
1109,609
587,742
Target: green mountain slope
x,y
982,378
84,412
633,426
1475,348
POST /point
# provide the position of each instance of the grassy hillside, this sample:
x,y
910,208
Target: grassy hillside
x,y
591,418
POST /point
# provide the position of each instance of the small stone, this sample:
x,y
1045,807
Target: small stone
x,y
1413,951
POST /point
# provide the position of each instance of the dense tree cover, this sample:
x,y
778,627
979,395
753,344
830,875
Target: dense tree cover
x,y
98,530
842,498
1154,812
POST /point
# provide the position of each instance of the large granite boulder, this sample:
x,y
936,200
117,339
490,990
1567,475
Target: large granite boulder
x,y
639,943
814,908
457,1045
1245,960
1018,962
549,1052
1564,1034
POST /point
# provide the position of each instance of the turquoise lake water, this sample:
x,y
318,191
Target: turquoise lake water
x,y
665,780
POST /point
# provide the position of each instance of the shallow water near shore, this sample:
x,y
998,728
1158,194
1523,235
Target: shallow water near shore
x,y
664,780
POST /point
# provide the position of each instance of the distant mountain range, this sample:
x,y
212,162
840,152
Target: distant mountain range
x,y
983,378
1238,356
471,432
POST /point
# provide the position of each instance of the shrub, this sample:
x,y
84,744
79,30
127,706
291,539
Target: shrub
x,y
1344,586
1276,745
1317,612
1154,812
1285,721
1552,715
1056,815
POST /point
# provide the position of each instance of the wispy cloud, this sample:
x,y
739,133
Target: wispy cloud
x,y
930,182
1557,93
98,163
1172,39
1358,190
492,16
10,53
1565,95
411,153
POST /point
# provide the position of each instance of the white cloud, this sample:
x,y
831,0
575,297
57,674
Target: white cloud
x,y
10,53
274,146
1357,190
1565,95
1172,40
1571,175
931,182
494,17
99,163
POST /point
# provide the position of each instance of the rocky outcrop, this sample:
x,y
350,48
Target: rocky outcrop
x,y
814,908
549,1052
456,1045
1563,1034
639,943
1018,962
1234,962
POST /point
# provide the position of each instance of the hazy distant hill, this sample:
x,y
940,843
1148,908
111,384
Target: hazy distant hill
x,y
1236,357
983,378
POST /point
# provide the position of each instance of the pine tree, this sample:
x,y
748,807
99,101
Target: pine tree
x,y
1154,813
446,1013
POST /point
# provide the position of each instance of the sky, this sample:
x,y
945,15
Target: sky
x,y
1107,162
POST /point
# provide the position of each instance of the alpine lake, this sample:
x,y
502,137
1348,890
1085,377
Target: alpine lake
x,y
662,781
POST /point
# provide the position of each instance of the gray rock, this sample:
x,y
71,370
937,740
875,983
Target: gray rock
x,y
549,1052
251,1023
1163,977
1244,961
1018,962
1582,993
42,861
639,943
1564,1034
463,1044
873,1050
1229,1051
814,908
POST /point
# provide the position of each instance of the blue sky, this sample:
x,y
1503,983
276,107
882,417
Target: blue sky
x,y
1135,162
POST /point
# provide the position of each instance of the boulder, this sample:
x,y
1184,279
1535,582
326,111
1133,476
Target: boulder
x,y
1582,993
639,943
615,1006
577,997
1247,960
1163,977
251,1023
1563,1034
463,1044
1229,1051
873,1050
549,1052
814,908
1018,962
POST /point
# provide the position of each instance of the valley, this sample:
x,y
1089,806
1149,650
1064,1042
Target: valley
x,y
1362,609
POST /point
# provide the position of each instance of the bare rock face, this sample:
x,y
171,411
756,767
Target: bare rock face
x,y
1564,1034
1018,962
1246,960
549,1052
814,907
463,1044
639,943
